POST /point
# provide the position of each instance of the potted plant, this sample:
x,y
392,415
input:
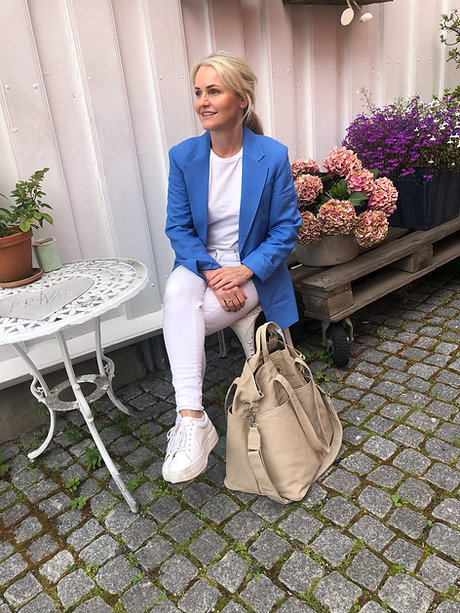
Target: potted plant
x,y
344,207
16,223
416,144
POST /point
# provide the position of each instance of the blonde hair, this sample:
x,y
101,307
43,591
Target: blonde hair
x,y
237,76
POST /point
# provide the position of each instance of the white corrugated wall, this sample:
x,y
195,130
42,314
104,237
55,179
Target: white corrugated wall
x,y
98,90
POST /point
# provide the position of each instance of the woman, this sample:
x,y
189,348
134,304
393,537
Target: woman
x,y
232,220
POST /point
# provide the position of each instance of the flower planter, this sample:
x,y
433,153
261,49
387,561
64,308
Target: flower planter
x,y
329,251
423,204
16,257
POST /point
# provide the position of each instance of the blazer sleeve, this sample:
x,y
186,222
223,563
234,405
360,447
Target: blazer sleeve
x,y
189,249
283,224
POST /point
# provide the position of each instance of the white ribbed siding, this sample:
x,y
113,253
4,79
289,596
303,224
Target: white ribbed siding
x,y
98,90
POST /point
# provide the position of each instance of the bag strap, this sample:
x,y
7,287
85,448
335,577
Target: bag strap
x,y
305,423
261,338
331,449
264,484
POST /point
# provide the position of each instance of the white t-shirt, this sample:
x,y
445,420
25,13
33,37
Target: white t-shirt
x,y
224,198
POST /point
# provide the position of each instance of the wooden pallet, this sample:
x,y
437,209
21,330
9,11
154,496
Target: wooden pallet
x,y
331,294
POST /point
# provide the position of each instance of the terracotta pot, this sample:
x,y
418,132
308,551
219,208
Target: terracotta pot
x,y
329,251
16,257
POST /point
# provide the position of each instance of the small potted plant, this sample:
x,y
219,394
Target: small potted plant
x,y
343,208
16,223
416,144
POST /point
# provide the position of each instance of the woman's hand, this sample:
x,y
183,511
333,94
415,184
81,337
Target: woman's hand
x,y
228,277
231,300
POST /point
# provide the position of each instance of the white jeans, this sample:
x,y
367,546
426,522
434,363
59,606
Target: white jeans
x,y
191,312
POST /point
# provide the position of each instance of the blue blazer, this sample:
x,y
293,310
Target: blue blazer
x,y
268,224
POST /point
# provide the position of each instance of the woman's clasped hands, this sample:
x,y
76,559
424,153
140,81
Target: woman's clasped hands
x,y
226,283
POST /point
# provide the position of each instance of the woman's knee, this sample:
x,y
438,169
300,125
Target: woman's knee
x,y
183,287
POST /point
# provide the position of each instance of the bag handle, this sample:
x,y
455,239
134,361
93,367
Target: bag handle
x,y
261,337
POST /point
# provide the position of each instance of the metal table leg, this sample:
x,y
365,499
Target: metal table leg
x,y
40,390
88,416
106,367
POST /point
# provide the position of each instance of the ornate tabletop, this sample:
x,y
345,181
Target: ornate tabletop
x,y
71,295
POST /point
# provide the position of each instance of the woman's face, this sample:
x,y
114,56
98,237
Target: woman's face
x,y
219,108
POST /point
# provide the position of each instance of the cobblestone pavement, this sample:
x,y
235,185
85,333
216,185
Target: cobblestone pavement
x,y
378,532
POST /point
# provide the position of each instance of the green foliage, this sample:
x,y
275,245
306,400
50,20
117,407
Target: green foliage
x,y
91,568
93,459
450,34
78,503
396,500
72,484
358,544
137,578
133,562
240,548
144,431
132,485
4,468
27,211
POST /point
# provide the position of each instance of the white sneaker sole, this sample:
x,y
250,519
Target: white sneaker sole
x,y
197,467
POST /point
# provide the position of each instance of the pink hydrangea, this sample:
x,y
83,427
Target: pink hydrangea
x,y
341,161
309,231
384,196
336,217
371,228
360,181
308,187
304,165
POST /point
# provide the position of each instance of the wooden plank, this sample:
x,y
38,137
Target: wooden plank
x,y
388,281
418,260
325,307
377,258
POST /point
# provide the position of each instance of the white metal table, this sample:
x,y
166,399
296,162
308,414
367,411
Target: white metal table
x,y
78,292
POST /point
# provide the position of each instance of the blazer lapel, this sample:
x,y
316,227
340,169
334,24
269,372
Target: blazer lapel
x,y
196,175
253,182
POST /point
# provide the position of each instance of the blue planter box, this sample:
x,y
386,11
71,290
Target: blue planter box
x,y
423,204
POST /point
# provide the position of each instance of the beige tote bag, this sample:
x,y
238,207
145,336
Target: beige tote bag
x,y
282,431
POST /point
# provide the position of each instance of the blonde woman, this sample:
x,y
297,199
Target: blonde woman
x,y
232,220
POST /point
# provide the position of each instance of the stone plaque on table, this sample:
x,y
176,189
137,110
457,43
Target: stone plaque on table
x,y
39,304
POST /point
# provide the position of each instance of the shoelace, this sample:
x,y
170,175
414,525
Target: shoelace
x,y
180,437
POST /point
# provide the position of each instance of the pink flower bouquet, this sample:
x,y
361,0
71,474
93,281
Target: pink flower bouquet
x,y
344,198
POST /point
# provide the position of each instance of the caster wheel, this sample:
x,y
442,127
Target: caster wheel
x,y
339,343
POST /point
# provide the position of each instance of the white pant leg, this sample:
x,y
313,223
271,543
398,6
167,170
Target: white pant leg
x,y
191,312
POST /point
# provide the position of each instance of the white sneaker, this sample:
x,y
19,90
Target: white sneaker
x,y
191,441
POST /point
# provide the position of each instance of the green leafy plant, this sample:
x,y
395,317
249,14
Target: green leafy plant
x,y
133,561
78,503
27,211
132,484
396,500
72,484
92,568
93,459
137,578
450,34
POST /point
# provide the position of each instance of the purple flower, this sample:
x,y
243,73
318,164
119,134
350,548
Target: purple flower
x,y
397,138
